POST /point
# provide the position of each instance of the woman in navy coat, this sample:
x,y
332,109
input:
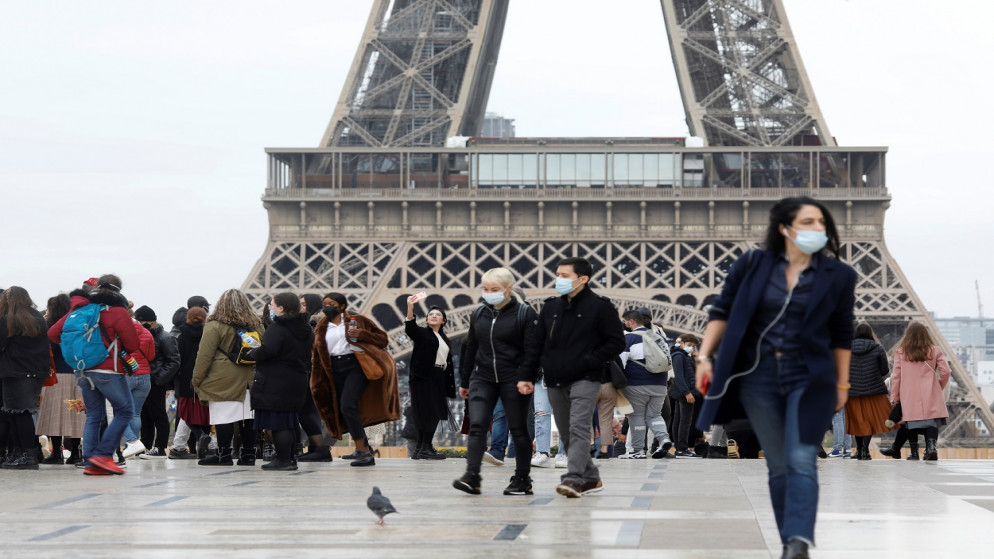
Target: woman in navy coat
x,y
785,322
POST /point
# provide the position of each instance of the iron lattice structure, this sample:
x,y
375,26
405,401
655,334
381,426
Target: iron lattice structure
x,y
403,214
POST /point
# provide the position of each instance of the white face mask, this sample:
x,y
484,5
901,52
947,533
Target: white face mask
x,y
808,242
494,298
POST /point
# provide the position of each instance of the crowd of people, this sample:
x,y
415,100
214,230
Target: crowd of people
x,y
791,361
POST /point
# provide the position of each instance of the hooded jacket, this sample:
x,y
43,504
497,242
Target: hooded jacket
x,y
282,365
499,349
115,323
868,368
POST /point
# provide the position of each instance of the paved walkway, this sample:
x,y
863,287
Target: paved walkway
x,y
649,508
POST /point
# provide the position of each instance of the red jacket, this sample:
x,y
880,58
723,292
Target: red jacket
x,y
146,350
115,322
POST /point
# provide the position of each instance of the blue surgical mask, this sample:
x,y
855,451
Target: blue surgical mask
x,y
564,286
688,349
272,314
809,242
494,298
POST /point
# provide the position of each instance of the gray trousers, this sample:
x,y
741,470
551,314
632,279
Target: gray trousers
x,y
573,410
647,401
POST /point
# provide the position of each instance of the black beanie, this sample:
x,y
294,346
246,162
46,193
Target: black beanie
x,y
145,314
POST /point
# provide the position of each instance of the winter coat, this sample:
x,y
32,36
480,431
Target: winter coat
x,y
499,349
115,323
423,358
281,369
684,375
216,378
868,368
633,359
580,335
146,349
918,385
189,343
828,325
166,362
23,356
380,402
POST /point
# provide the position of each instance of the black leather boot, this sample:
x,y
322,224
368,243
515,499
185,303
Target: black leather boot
x,y
416,455
247,458
363,459
893,452
930,451
914,452
428,452
222,458
21,459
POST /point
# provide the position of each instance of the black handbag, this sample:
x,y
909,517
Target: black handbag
x,y
615,374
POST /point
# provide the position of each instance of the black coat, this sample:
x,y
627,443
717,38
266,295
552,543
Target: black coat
x,y
430,385
22,356
868,368
166,363
580,336
684,375
496,338
282,368
189,343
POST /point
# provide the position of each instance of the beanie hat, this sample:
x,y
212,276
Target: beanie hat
x,y
197,301
145,314
179,316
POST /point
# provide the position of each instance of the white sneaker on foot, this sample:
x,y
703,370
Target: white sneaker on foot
x,y
132,448
561,460
491,459
541,460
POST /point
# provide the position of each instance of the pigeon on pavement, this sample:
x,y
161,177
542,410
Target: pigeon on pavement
x,y
379,504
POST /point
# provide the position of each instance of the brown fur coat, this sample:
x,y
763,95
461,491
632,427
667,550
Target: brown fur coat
x,y
380,401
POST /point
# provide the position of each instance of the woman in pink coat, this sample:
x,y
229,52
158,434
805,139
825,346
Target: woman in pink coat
x,y
920,374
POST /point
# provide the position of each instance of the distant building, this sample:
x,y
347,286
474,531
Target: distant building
x,y
972,339
496,126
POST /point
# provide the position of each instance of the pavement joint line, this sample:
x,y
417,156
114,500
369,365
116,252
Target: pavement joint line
x,y
59,533
303,472
650,487
54,504
541,501
244,483
153,484
630,533
641,502
510,532
166,501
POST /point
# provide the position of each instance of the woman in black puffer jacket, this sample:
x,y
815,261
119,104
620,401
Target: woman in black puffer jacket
x,y
868,406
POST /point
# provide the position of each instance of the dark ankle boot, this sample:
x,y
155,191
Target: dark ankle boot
x,y
428,452
914,452
931,453
416,454
222,458
247,457
54,458
363,459
21,459
893,452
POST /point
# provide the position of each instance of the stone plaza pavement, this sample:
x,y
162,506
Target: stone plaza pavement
x,y
672,508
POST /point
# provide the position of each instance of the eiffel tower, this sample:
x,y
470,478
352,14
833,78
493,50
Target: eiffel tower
x,y
388,205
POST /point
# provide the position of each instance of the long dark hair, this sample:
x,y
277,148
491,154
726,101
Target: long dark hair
x,y
783,213
16,306
57,307
864,332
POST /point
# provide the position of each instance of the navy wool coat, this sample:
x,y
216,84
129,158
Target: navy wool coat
x,y
828,325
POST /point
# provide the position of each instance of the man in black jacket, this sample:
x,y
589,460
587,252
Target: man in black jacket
x,y
582,333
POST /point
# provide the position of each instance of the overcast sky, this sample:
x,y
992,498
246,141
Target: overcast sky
x,y
132,133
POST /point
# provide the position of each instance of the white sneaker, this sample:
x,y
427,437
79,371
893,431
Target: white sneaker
x,y
132,448
561,461
633,455
491,459
541,460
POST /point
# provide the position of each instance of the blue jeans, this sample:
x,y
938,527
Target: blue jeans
x,y
771,395
105,387
498,432
841,442
543,419
139,385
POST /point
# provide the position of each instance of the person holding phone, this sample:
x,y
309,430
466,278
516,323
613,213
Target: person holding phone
x,y
785,322
431,376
